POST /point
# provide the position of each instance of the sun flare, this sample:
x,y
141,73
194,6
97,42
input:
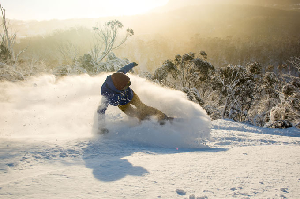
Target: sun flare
x,y
57,9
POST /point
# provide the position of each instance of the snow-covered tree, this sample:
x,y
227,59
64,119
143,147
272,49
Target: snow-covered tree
x,y
237,87
106,40
69,52
184,71
242,93
8,40
193,75
100,58
295,61
288,108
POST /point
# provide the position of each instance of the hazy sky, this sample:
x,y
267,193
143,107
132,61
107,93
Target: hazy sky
x,y
63,9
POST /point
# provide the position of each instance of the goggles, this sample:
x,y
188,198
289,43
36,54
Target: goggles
x,y
127,86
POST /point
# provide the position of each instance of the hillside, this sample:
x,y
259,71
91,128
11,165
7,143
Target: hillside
x,y
277,4
226,20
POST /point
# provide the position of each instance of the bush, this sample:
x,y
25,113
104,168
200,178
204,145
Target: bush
x,y
242,93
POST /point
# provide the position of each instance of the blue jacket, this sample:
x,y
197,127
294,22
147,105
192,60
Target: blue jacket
x,y
112,95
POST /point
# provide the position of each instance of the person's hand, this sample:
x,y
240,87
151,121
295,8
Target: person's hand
x,y
134,64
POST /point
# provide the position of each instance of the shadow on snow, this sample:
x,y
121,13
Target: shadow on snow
x,y
107,158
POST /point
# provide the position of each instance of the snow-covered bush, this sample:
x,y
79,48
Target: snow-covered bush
x,y
7,73
146,75
288,106
213,112
237,87
254,68
295,61
69,70
168,68
271,85
112,63
282,124
85,62
296,82
242,93
192,75
184,71
193,95
289,90
259,114
21,71
8,56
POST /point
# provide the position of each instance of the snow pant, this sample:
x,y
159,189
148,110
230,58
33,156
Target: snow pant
x,y
136,108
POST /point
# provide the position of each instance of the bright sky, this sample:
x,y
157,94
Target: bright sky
x,y
63,9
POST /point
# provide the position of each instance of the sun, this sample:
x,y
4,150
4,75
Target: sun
x,y
132,7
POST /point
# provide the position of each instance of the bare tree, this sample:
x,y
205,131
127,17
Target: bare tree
x,y
69,52
8,40
106,39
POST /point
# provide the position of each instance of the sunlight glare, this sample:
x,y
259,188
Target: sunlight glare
x,y
133,7
66,9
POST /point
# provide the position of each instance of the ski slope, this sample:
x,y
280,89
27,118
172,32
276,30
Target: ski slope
x,y
49,148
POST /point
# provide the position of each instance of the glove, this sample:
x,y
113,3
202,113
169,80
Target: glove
x,y
103,131
134,64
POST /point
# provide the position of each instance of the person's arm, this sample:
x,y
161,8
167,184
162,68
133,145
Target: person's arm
x,y
101,116
127,68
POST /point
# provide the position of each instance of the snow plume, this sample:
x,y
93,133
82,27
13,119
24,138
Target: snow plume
x,y
47,107
180,134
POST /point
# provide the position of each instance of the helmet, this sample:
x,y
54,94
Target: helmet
x,y
120,80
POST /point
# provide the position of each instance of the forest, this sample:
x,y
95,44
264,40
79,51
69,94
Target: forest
x,y
240,62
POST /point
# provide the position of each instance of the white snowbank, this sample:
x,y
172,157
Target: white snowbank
x,y
48,108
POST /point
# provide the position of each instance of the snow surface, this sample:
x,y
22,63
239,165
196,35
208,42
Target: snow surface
x,y
49,148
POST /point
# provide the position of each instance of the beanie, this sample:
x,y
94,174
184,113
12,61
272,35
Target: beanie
x,y
120,80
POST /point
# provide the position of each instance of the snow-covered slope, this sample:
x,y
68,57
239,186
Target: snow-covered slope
x,y
49,150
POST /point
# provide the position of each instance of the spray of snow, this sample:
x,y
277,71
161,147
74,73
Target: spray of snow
x,y
47,107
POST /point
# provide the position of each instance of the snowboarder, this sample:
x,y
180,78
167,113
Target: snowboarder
x,y
116,91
